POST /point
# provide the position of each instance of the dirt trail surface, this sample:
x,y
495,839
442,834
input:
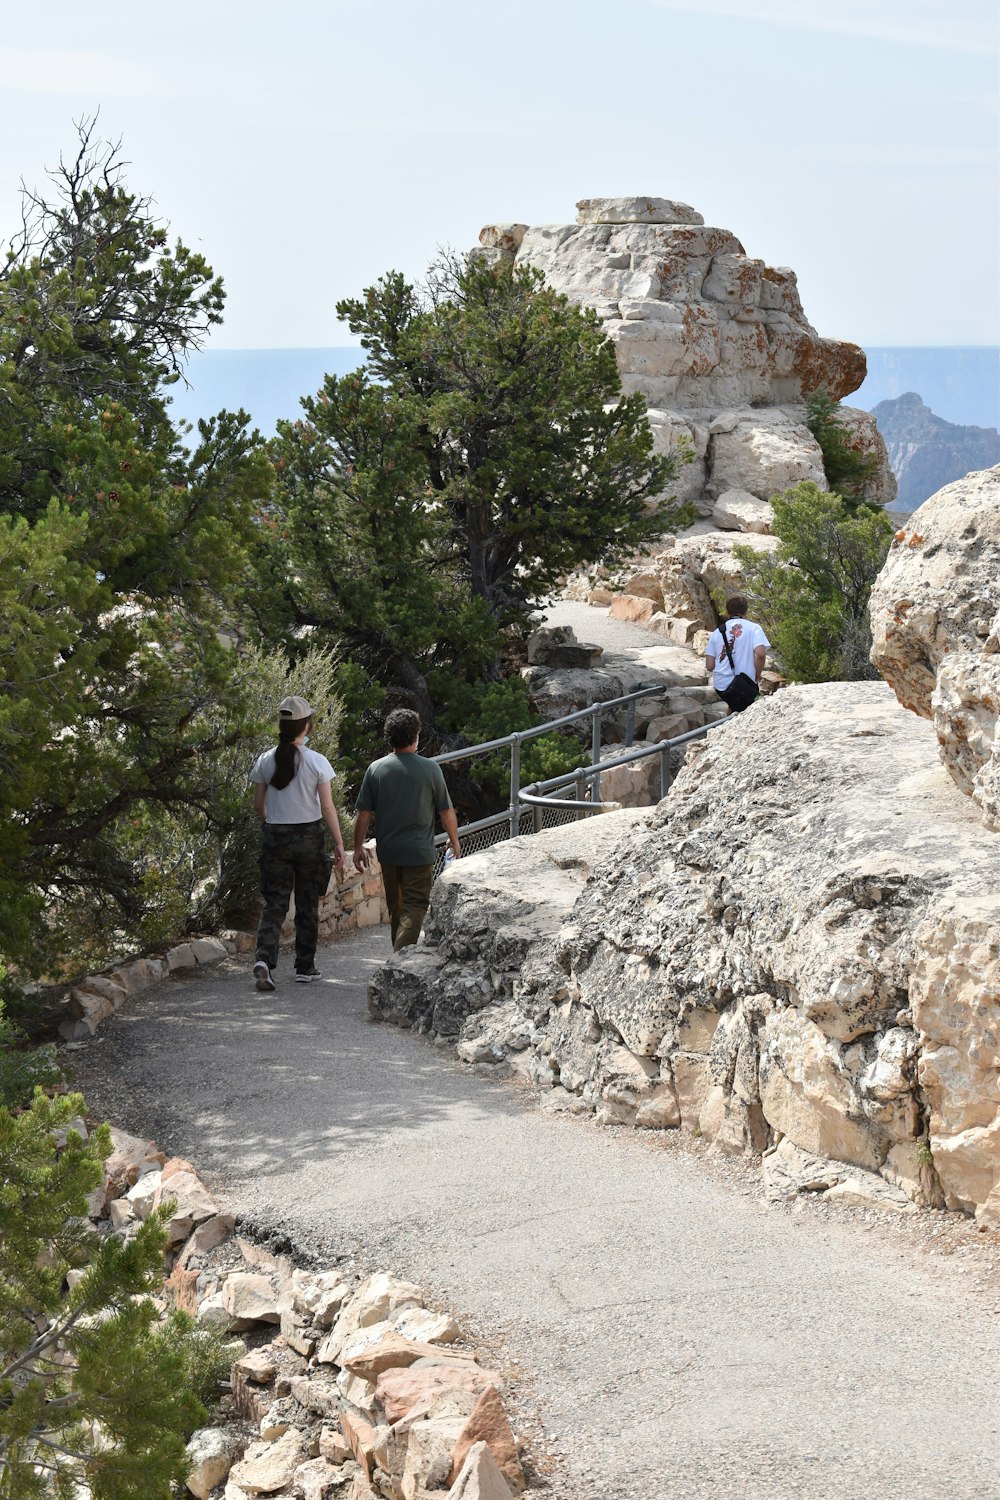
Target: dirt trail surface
x,y
678,1337
601,628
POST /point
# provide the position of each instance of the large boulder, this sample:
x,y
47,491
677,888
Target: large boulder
x,y
799,943
935,613
702,330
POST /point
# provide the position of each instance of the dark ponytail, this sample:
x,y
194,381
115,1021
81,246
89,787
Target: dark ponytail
x,y
286,756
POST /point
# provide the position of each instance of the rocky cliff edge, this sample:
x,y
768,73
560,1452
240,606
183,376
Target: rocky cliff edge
x,y
797,953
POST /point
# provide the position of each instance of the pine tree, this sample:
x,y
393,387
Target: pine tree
x,y
427,504
93,1387
120,547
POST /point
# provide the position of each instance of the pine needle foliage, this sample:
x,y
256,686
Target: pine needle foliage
x,y
428,503
93,1391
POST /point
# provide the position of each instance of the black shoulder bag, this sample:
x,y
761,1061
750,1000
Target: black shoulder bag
x,y
743,690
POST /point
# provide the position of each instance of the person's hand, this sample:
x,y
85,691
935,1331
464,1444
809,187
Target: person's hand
x,y
361,858
338,857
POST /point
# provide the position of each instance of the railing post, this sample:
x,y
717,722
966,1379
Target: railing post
x,y
630,724
664,772
596,724
515,786
536,820
581,792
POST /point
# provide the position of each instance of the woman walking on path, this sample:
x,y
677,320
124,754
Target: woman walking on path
x,y
292,798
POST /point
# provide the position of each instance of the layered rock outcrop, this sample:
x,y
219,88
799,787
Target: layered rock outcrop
x,y
935,612
799,948
716,341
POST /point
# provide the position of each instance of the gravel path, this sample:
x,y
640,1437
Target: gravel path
x,y
600,628
678,1337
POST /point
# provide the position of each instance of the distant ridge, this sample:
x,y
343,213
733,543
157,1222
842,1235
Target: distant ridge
x,y
961,384
927,452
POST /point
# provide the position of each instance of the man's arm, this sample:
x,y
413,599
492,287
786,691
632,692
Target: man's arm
x,y
260,800
362,823
709,663
449,821
759,658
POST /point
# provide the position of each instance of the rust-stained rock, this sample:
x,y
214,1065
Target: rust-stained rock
x,y
488,1424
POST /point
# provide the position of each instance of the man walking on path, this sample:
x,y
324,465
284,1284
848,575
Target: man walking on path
x,y
735,655
401,793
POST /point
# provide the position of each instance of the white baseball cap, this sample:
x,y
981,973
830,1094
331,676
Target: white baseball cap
x,y
294,708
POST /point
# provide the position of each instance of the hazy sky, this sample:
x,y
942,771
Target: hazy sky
x,y
307,146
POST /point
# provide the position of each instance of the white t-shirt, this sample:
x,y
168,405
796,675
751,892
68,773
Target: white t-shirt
x,y
298,802
744,636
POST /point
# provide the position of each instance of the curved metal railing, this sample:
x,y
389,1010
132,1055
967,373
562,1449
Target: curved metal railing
x,y
531,809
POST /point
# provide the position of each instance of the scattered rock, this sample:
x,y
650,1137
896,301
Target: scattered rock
x,y
480,1478
250,1298
400,1391
268,1467
488,1424
258,1365
211,1453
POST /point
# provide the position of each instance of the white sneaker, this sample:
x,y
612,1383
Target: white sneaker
x,y
262,975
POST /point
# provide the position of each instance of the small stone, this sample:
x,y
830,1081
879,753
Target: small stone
x,y
258,1365
400,1391
334,1446
213,1314
480,1478
274,1423
121,1213
208,950
488,1424
142,1197
316,1479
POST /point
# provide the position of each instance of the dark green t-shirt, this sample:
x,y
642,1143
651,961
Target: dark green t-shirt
x,y
404,792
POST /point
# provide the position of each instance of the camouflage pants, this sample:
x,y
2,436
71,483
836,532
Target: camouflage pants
x,y
292,858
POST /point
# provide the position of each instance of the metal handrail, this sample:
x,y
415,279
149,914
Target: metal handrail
x,y
534,796
513,742
520,735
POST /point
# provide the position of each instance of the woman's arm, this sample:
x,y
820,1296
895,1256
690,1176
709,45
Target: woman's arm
x,y
332,821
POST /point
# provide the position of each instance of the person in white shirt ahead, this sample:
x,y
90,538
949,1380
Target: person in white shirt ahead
x,y
735,656
293,800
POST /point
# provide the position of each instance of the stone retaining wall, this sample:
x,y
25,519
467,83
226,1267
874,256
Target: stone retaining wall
x,y
354,898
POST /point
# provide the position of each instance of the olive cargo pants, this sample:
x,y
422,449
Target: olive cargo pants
x,y
408,894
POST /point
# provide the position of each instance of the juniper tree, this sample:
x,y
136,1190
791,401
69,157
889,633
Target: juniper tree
x,y
811,594
427,504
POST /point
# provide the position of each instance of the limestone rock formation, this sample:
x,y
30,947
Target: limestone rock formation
x,y
935,612
799,944
716,340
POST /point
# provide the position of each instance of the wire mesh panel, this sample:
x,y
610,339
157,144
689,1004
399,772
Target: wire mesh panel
x,y
482,838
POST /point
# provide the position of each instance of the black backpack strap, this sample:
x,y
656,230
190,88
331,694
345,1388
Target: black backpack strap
x,y
727,648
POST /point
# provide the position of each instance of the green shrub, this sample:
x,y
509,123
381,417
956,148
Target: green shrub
x,y
848,471
811,595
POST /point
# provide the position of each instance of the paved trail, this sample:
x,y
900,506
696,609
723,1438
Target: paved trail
x,y
684,1340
